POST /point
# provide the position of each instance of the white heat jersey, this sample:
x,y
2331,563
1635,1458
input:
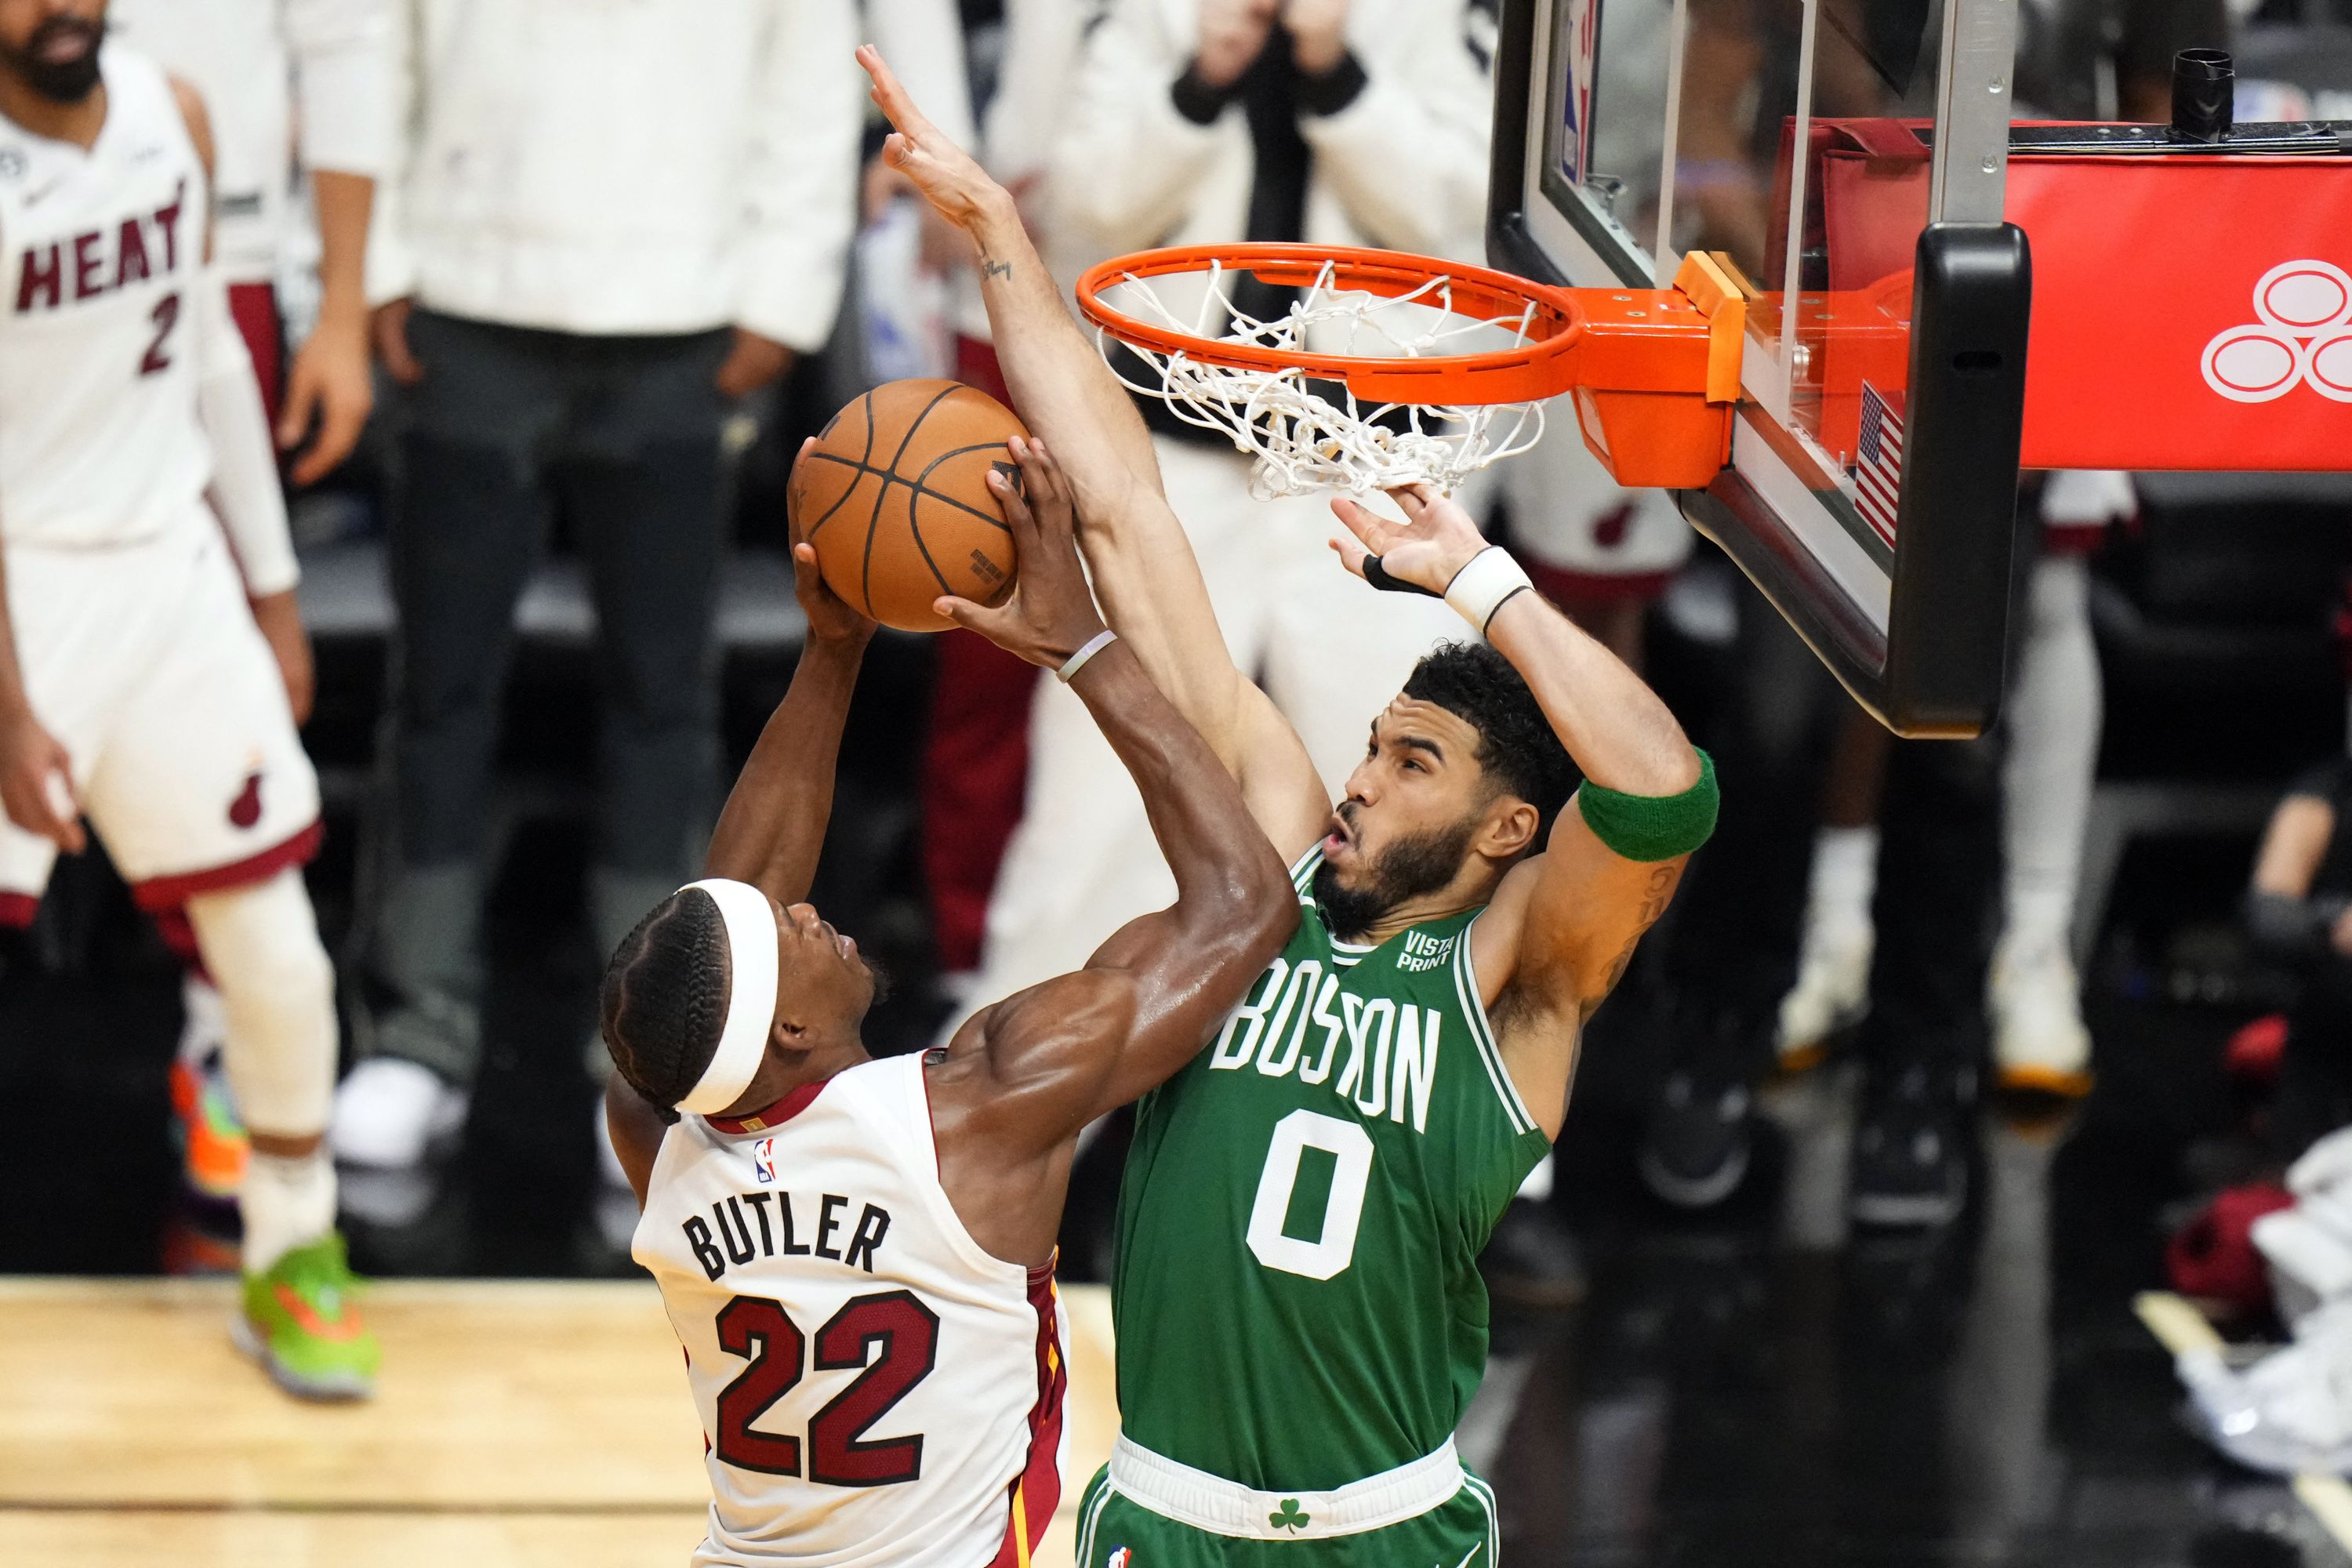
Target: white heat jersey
x,y
101,253
873,1388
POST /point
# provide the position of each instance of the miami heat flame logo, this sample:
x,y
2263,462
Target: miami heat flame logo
x,y
245,809
2303,336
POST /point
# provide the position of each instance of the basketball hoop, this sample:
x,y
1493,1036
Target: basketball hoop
x,y
1438,369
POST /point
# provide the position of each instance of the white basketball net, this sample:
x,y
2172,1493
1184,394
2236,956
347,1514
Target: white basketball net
x,y
1302,441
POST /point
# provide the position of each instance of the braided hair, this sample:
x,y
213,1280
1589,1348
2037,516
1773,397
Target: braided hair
x,y
665,997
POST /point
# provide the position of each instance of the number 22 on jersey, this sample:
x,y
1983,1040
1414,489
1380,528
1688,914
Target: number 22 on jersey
x,y
837,1453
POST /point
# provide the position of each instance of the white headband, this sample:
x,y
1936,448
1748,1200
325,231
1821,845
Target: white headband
x,y
750,922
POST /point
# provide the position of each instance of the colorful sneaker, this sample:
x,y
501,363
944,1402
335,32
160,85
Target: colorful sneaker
x,y
213,1144
301,1322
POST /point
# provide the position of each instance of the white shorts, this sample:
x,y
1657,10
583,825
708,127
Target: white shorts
x,y
145,664
1575,525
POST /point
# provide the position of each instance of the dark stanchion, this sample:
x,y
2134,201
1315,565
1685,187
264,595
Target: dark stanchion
x,y
2204,90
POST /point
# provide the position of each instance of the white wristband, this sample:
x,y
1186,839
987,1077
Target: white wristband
x,y
1479,589
1077,661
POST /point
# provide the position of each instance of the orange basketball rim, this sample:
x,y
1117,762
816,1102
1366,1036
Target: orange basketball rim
x,y
1654,371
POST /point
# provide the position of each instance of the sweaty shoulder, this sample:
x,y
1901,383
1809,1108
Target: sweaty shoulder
x,y
1030,1032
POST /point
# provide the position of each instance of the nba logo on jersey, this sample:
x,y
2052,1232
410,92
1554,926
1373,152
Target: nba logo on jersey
x,y
1120,1559
763,1160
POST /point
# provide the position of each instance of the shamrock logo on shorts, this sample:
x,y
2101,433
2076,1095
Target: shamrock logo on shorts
x,y
1290,1517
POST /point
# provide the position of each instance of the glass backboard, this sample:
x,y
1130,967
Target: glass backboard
x,y
1844,159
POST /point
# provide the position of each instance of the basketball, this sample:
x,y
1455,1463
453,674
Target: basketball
x,y
894,495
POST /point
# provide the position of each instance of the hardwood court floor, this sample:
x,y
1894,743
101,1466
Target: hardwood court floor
x,y
517,1425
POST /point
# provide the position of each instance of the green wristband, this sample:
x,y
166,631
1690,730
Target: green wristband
x,y
1653,827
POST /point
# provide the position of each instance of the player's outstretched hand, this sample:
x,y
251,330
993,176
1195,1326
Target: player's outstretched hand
x,y
1052,612
35,782
1435,540
947,177
830,619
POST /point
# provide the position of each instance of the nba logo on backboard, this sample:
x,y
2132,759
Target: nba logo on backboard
x,y
763,1160
1580,36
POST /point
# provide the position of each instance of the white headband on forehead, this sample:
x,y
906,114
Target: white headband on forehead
x,y
750,922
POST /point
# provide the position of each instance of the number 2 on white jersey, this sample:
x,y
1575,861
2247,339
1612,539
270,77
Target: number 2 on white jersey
x,y
1350,1148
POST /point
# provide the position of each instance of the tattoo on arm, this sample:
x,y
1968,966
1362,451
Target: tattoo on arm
x,y
1654,897
991,268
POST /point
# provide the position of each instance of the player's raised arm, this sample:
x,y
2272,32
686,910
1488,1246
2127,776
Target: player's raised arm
x,y
1141,561
1563,925
773,827
1065,1052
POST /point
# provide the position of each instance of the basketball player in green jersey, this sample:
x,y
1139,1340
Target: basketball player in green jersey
x,y
1300,1316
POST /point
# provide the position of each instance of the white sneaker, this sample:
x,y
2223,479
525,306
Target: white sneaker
x,y
390,1112
2038,1038
1832,992
2291,1412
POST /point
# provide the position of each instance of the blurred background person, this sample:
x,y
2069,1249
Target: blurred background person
x,y
299,92
153,665
2052,722
575,287
2299,913
253,62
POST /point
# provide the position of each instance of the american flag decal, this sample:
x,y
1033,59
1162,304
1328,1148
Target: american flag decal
x,y
1878,464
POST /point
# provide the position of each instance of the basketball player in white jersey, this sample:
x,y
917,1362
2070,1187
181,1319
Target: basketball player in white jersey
x,y
150,645
857,1255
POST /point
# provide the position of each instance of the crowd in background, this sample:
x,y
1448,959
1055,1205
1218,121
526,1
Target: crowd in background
x,y
618,259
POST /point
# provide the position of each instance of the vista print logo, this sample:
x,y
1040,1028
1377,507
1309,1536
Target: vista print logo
x,y
2303,335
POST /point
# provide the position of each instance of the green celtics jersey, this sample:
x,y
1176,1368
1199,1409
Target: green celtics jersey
x,y
1296,1293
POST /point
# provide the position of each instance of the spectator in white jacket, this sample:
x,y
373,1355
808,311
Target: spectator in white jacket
x,y
289,83
606,225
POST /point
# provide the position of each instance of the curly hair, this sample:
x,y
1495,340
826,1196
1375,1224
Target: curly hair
x,y
665,997
1516,744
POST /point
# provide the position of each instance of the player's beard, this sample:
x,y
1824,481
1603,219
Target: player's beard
x,y
66,83
1416,865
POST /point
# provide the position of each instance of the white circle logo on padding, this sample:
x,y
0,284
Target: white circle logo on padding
x,y
2303,334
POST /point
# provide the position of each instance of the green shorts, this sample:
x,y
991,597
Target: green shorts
x,y
1116,1532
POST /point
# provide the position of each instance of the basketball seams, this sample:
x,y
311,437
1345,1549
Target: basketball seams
x,y
866,575
917,485
920,484
942,440
851,488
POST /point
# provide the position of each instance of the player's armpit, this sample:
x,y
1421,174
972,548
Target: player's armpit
x,y
1553,944
636,1130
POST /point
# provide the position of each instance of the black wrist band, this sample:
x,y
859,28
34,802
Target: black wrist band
x,y
1196,100
1328,92
1379,577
